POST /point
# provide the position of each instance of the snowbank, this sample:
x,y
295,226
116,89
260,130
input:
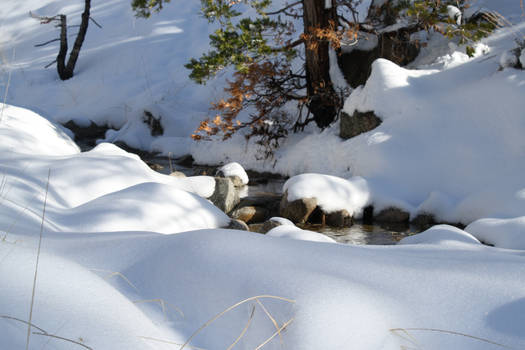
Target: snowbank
x,y
133,289
106,189
504,233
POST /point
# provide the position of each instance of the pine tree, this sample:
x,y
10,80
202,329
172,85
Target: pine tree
x,y
265,49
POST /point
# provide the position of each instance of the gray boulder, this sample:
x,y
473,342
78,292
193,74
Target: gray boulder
x,y
225,197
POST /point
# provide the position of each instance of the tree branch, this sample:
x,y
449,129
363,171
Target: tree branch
x,y
47,42
283,9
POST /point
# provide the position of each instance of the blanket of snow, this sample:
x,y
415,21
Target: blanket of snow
x,y
111,274
133,289
114,189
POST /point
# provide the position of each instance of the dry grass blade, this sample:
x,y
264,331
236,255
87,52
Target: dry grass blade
x,y
244,329
168,342
271,319
406,336
113,273
220,314
7,88
65,339
162,305
452,333
27,323
37,260
276,332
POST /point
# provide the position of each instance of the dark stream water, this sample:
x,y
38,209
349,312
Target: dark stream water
x,y
265,184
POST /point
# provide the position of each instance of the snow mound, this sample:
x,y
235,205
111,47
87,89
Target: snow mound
x,y
294,232
441,235
503,233
105,189
143,207
332,193
24,131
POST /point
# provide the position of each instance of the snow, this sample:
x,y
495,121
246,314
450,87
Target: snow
x,y
332,193
441,235
124,249
503,233
111,187
294,232
234,169
454,13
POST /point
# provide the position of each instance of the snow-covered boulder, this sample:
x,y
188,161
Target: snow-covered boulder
x,y
330,193
235,172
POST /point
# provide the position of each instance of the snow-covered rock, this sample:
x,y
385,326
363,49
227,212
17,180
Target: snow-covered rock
x,y
233,170
332,193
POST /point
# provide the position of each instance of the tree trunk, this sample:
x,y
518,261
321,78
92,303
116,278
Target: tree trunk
x,y
66,71
322,99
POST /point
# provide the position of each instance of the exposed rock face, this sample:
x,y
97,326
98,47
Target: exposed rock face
x,y
225,197
298,210
340,218
238,225
250,214
392,215
358,123
237,182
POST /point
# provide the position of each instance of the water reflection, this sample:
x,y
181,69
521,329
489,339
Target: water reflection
x,y
363,234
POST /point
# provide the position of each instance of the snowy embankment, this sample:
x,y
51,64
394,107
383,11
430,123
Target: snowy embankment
x,y
144,290
450,143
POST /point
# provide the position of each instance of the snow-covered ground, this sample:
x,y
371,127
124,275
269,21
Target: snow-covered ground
x,y
113,275
107,279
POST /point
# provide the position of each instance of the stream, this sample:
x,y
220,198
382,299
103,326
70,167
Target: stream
x,y
268,185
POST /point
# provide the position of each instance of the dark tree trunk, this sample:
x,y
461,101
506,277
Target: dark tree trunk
x,y
322,98
65,71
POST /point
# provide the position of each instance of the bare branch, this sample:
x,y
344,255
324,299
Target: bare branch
x,y
283,9
47,42
96,23
50,64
